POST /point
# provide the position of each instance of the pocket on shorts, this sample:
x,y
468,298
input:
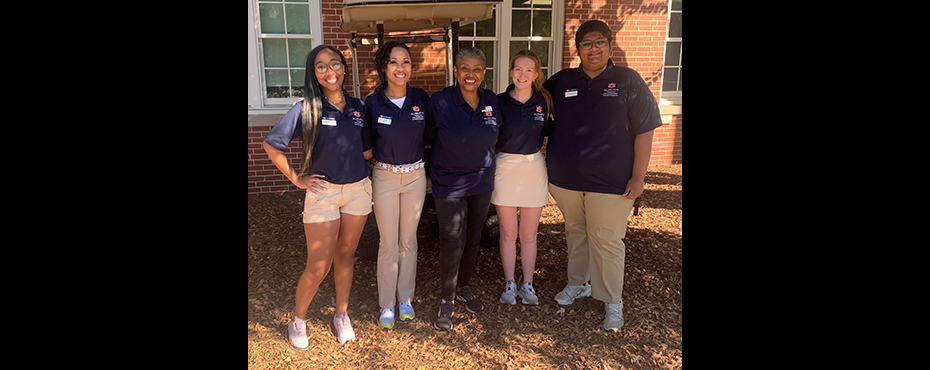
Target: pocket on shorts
x,y
311,198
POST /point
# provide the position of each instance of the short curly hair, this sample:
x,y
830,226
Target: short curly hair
x,y
383,56
591,26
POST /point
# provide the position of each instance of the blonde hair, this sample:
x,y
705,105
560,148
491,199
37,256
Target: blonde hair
x,y
537,83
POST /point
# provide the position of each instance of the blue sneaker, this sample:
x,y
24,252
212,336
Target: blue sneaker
x,y
406,311
387,318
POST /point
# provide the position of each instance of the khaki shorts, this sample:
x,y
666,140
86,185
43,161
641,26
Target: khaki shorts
x,y
353,199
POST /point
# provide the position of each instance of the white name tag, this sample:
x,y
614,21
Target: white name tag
x,y
329,121
488,109
384,120
571,93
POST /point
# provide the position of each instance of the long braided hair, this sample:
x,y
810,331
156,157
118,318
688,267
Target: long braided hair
x,y
312,110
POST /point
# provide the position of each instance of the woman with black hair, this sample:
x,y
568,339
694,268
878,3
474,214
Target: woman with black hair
x,y
397,116
461,126
334,172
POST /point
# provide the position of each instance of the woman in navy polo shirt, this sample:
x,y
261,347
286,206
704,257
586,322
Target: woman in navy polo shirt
x,y
520,180
461,126
397,118
335,173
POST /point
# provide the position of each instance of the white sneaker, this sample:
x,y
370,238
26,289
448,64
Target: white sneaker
x,y
344,332
528,294
297,333
568,295
509,295
614,316
406,311
387,318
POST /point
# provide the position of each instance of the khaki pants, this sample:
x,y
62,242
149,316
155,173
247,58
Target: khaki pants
x,y
398,200
595,224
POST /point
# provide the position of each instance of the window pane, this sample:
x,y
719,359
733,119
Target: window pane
x,y
298,18
488,80
676,4
274,50
297,82
488,48
515,46
468,30
298,50
272,18
276,83
672,53
486,27
520,24
674,26
521,3
542,20
670,79
542,49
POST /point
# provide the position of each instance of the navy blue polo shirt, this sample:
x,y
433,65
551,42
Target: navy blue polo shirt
x,y
397,132
521,130
463,142
594,123
337,153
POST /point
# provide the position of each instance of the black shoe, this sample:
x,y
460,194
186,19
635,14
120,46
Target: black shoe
x,y
444,322
472,304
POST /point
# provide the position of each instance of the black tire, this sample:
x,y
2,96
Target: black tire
x,y
370,240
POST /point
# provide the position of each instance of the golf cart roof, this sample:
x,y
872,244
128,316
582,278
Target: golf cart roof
x,y
363,16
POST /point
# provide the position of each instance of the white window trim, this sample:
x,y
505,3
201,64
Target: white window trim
x,y
670,97
258,103
502,41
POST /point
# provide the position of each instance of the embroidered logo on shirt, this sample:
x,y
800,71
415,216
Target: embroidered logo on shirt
x,y
538,109
417,115
358,119
611,90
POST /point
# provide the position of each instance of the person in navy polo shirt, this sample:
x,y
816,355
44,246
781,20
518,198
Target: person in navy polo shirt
x,y
520,180
397,118
461,126
597,155
335,173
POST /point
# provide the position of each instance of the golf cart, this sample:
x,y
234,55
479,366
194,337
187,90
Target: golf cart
x,y
413,21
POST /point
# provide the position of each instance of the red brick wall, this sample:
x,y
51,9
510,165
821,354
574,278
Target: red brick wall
x,y
666,143
264,177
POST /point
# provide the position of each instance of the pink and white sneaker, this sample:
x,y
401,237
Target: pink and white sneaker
x,y
297,333
344,332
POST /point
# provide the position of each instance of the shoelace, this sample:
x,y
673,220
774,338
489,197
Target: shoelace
x,y
466,293
298,324
445,309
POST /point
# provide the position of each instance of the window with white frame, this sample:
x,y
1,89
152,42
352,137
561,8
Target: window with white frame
x,y
281,34
528,26
671,75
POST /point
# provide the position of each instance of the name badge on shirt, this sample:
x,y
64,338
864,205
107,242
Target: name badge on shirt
x,y
488,108
329,121
571,92
384,120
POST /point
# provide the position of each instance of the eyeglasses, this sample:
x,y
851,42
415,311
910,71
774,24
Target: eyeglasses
x,y
587,44
335,66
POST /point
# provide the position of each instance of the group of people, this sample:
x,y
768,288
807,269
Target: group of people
x,y
485,149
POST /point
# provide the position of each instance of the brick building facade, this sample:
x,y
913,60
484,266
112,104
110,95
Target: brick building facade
x,y
639,28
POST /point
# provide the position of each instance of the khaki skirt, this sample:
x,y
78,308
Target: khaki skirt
x,y
520,180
